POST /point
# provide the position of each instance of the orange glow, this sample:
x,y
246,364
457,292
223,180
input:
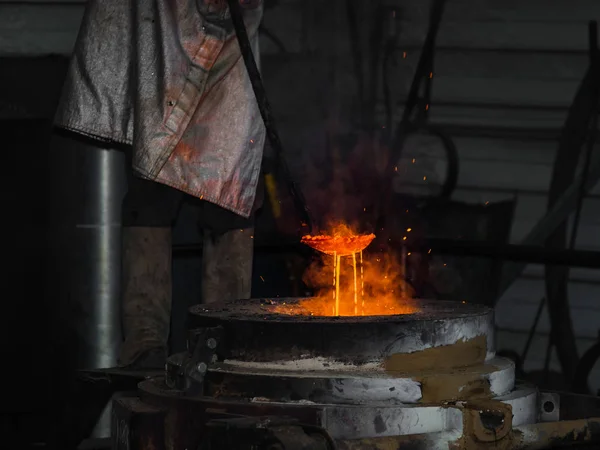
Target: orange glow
x,y
340,246
353,284
342,241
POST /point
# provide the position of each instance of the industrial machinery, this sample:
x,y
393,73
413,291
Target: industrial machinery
x,y
272,374
264,374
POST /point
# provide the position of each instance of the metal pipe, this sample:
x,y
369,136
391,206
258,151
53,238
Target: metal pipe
x,y
87,187
97,192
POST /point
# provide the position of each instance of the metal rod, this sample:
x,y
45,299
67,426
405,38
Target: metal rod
x,y
590,146
533,328
548,224
593,37
265,109
548,356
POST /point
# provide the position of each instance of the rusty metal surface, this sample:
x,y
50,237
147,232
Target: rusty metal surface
x,y
557,434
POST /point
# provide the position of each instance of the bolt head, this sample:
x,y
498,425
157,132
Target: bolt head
x,y
211,343
202,367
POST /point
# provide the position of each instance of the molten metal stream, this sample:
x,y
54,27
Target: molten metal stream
x,y
337,263
382,286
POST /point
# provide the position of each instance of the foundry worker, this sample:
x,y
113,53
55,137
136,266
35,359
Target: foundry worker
x,y
165,82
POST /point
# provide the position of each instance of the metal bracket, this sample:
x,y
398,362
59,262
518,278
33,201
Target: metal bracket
x,y
186,371
549,407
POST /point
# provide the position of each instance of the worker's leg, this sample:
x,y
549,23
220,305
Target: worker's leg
x,y
227,254
149,210
227,264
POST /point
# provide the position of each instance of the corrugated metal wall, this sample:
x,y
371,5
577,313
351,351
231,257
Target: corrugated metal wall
x,y
505,74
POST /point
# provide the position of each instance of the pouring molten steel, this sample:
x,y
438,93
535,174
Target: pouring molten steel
x,y
348,285
339,245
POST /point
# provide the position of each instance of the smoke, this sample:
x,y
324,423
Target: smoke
x,y
345,183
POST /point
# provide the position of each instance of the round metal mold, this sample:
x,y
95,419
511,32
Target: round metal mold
x,y
254,332
362,386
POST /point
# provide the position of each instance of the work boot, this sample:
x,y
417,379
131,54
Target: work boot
x,y
227,265
146,296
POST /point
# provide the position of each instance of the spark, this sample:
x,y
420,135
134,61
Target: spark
x,y
261,277
409,230
424,178
404,238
